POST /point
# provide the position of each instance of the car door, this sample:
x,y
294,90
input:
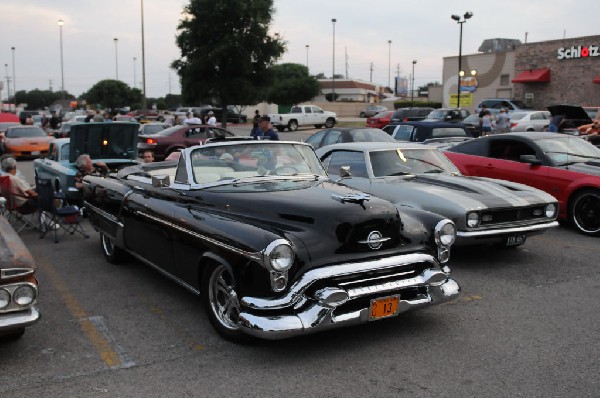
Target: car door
x,y
316,139
308,117
195,136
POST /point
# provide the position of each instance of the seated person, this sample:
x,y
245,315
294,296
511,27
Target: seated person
x,y
590,129
85,167
23,194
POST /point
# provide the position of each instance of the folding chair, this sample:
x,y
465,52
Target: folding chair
x,y
55,213
18,217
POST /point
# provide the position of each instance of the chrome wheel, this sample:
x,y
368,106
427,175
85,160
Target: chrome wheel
x,y
293,125
113,254
585,212
329,123
223,299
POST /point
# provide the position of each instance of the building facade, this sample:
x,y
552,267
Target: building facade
x,y
539,74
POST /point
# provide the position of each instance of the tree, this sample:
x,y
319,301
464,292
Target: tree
x,y
39,99
226,51
292,84
112,94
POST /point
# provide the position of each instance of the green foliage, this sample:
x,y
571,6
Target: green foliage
x,y
39,99
416,104
112,94
331,96
291,84
172,101
226,50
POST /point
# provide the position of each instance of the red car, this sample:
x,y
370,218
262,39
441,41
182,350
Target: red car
x,y
565,166
177,137
380,120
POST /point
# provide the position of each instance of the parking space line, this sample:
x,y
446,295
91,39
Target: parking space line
x,y
101,341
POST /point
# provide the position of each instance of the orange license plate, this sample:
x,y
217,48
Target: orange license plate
x,y
384,307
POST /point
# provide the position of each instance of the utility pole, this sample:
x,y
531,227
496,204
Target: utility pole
x,y
371,73
50,84
346,52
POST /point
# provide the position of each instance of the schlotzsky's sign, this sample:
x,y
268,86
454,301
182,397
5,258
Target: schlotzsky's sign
x,y
578,52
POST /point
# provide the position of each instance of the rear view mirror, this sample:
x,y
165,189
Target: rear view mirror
x,y
530,159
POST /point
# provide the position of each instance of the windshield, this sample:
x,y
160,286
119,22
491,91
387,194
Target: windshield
x,y
410,161
231,163
153,128
564,151
25,132
436,114
517,116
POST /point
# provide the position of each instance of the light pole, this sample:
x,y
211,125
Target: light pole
x,y
7,84
333,21
134,73
389,63
143,61
62,70
412,86
460,21
306,55
14,74
116,58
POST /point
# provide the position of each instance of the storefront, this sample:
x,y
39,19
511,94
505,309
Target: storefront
x,y
538,74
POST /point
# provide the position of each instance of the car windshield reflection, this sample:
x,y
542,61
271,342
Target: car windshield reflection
x,y
566,151
410,161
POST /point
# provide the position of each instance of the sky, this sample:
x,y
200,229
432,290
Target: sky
x,y
418,30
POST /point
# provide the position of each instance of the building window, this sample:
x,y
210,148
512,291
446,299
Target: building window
x,y
504,80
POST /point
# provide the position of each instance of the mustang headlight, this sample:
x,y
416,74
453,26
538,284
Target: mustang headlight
x,y
472,220
24,295
279,255
551,210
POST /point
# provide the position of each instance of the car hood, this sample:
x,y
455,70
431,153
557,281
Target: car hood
x,y
28,140
439,191
326,220
569,112
112,140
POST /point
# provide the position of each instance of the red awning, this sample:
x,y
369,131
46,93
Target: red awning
x,y
596,80
533,76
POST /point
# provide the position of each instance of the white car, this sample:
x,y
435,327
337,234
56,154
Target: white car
x,y
529,120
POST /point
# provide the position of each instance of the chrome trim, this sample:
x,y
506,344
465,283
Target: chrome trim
x,y
375,278
256,256
428,277
266,254
103,213
295,293
12,306
11,273
15,320
507,231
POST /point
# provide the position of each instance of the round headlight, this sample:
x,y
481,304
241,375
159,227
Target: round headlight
x,y
24,295
4,298
551,210
445,233
281,257
472,220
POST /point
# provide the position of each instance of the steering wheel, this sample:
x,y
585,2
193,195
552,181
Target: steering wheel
x,y
286,170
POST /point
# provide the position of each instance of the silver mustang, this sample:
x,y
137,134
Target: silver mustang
x,y
414,175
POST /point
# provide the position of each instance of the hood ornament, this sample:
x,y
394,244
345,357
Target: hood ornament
x,y
352,198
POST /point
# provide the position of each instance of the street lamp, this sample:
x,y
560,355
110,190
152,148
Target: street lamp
x,y
143,61
412,86
460,21
306,55
14,73
389,63
62,70
116,58
333,21
134,74
7,84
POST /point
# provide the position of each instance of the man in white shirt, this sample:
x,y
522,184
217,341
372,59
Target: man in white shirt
x,y
212,120
191,119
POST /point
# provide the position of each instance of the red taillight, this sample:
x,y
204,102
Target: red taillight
x,y
150,141
513,125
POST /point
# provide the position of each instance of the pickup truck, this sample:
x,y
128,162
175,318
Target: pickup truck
x,y
303,115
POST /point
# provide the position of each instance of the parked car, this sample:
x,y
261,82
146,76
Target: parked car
x,y
372,110
233,116
473,124
18,284
409,114
428,132
113,143
566,167
125,118
152,128
572,116
347,134
303,115
26,141
272,247
380,120
447,115
495,104
420,177
177,137
529,121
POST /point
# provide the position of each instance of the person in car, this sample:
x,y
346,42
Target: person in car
x,y
85,167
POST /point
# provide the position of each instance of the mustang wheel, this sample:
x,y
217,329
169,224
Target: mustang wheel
x,y
221,301
584,211
112,253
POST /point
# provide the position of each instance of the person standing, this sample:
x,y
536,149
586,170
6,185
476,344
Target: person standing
x,y
486,123
212,120
148,156
255,121
503,121
54,121
264,130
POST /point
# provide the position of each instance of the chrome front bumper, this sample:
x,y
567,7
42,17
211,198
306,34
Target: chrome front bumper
x,y
19,319
300,313
500,234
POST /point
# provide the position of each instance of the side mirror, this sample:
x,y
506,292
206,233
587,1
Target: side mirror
x,y
159,181
531,159
345,172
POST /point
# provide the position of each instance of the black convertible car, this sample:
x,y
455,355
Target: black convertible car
x,y
272,246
